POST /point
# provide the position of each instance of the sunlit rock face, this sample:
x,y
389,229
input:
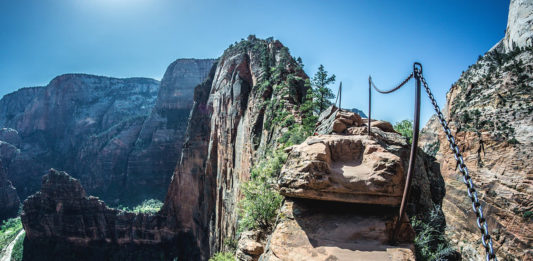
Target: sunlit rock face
x,y
228,129
489,111
519,31
342,190
120,137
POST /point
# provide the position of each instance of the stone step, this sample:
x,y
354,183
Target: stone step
x,y
318,230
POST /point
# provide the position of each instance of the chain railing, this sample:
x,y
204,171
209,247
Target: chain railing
x,y
486,239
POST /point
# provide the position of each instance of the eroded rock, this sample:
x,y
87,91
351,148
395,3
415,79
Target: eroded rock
x,y
347,168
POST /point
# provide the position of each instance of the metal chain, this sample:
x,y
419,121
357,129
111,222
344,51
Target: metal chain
x,y
395,88
486,239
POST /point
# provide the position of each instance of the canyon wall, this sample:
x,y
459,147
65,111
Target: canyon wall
x,y
489,109
230,127
9,199
120,137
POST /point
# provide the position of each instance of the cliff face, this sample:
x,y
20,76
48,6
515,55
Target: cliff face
x,y
230,124
63,223
489,110
519,33
8,197
115,135
227,131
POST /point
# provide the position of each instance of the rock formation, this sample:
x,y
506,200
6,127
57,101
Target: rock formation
x,y
342,191
63,223
247,105
490,111
519,32
115,135
9,199
230,125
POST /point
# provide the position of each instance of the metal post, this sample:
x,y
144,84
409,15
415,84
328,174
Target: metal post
x,y
417,71
369,102
340,96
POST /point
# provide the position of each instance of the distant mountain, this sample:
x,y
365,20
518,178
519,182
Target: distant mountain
x,y
360,112
120,137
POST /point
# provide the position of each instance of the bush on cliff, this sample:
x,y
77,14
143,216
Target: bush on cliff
x,y
149,206
430,241
405,128
258,208
222,256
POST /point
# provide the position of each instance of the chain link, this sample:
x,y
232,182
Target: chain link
x,y
486,239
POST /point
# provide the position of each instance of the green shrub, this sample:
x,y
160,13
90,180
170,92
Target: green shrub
x,y
222,256
405,128
9,230
149,206
18,249
513,141
528,215
430,241
258,208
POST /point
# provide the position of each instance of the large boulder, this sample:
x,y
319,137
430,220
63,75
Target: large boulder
x,y
347,168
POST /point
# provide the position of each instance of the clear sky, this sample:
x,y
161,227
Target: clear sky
x,y
41,39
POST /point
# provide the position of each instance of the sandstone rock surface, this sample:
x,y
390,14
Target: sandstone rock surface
x,y
348,168
311,231
489,112
230,126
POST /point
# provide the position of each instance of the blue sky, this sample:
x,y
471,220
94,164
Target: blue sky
x,y
124,38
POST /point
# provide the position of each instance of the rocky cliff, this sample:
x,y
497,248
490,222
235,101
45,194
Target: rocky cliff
x,y
490,111
519,32
234,120
63,223
247,113
237,111
115,135
9,199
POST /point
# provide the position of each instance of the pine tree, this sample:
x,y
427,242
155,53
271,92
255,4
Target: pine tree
x,y
322,92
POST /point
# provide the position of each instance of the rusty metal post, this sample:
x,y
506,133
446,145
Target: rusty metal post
x,y
417,71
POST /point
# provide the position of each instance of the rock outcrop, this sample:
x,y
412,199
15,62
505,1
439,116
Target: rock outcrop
x,y
63,223
490,111
230,126
519,32
235,115
342,191
9,200
115,135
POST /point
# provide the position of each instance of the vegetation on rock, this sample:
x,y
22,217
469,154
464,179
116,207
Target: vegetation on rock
x,y
322,93
430,241
149,206
8,231
405,128
222,256
18,249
